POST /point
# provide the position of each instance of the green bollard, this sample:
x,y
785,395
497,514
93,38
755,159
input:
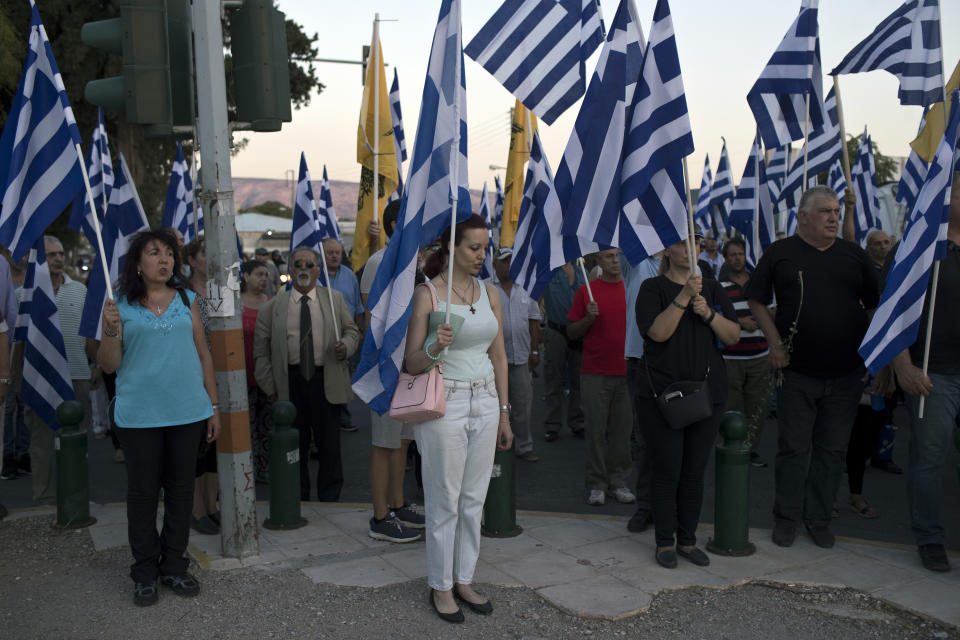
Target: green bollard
x,y
73,488
500,507
731,527
284,470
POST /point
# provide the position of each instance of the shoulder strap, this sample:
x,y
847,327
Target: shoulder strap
x,y
183,297
433,293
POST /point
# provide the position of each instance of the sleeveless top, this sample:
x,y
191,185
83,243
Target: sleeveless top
x,y
467,358
160,380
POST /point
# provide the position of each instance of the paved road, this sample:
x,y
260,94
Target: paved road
x,y
555,483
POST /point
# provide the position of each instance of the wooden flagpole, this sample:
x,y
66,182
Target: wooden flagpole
x,y
375,54
806,140
96,221
454,184
691,242
326,275
848,227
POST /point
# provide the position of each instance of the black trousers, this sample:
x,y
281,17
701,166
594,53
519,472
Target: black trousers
x,y
160,457
679,459
863,444
317,416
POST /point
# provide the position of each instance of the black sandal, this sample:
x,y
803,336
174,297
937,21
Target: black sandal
x,y
184,585
145,594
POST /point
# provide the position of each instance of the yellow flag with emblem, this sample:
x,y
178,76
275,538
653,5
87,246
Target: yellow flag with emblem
x,y
935,122
522,126
374,146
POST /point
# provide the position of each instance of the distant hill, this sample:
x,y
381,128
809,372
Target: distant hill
x,y
249,192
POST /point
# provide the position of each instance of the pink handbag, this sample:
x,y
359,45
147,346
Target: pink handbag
x,y
420,397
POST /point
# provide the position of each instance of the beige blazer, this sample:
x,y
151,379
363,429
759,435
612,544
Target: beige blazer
x,y
270,347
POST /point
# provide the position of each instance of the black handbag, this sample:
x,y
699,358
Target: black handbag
x,y
685,402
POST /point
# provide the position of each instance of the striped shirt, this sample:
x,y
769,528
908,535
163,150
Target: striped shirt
x,y
752,344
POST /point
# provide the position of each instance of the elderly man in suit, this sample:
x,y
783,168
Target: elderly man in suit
x,y
300,358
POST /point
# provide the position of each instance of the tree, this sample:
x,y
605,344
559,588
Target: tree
x,y
150,159
271,208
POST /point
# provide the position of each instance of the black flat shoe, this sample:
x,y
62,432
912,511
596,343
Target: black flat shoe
x,y
484,608
456,617
145,593
696,556
667,558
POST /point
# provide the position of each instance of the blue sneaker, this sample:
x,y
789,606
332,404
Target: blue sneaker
x,y
412,516
391,530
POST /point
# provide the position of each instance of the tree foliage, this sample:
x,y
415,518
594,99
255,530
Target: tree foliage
x,y
271,208
149,159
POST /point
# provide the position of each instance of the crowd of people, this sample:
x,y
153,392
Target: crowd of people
x,y
776,338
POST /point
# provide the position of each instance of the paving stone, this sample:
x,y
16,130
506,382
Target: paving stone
x,y
597,597
544,568
322,547
617,553
411,560
928,596
107,536
653,578
497,550
567,534
361,572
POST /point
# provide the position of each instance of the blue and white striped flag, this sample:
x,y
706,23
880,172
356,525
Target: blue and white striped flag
x,y
178,208
399,139
777,99
486,271
538,50
125,218
791,227
497,204
896,322
863,174
776,169
40,170
305,229
824,146
702,216
912,177
326,216
721,194
907,44
46,376
752,210
100,174
836,180
438,166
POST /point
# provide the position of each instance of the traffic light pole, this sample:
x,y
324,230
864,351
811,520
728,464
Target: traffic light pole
x,y
238,525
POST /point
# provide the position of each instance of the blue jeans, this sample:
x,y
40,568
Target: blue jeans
x,y
814,419
930,440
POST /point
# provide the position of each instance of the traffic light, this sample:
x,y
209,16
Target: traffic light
x,y
261,75
156,88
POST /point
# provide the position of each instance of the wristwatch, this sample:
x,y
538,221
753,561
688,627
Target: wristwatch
x,y
506,408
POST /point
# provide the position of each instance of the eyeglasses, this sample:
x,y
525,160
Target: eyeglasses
x,y
300,264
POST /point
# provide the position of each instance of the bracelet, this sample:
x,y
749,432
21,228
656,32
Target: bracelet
x,y
111,335
216,406
534,353
713,314
677,304
426,350
6,381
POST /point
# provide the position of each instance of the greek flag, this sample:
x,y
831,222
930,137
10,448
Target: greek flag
x,y
497,204
721,194
791,227
100,174
752,211
399,139
178,208
912,177
836,180
895,324
46,376
326,216
777,99
438,166
305,231
40,170
486,271
824,146
702,216
863,174
125,218
907,44
538,50
776,169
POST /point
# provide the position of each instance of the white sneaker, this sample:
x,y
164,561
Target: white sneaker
x,y
624,495
596,498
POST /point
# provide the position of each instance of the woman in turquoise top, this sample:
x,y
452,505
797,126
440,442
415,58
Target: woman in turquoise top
x,y
165,406
458,449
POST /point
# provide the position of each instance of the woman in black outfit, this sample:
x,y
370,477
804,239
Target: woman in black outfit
x,y
681,317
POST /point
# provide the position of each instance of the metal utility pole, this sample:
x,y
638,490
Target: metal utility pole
x,y
238,526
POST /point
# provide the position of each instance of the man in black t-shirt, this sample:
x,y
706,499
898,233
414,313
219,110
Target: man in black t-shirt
x,y
823,287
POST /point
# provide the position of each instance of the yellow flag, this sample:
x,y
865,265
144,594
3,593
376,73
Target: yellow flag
x,y
935,123
374,141
521,138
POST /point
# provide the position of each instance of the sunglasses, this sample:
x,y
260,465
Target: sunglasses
x,y
300,264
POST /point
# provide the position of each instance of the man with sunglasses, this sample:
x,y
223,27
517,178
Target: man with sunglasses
x,y
299,358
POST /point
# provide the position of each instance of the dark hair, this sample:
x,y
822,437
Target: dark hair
x,y
390,214
732,241
130,283
248,268
436,260
191,249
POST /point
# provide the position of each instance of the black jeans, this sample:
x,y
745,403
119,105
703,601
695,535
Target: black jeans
x,y
679,459
863,444
160,457
636,377
316,415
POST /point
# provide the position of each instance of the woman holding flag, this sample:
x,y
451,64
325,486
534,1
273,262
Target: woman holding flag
x,y
458,448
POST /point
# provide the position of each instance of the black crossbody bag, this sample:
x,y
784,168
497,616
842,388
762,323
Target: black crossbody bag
x,y
685,402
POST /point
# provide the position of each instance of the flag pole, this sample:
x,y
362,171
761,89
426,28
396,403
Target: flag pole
x,y
848,226
329,288
193,181
691,253
586,278
376,119
806,139
96,221
454,183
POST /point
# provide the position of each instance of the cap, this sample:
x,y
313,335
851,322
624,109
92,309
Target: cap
x,y
503,253
261,251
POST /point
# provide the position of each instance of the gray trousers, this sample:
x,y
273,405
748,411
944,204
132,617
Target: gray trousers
x,y
637,376
749,385
559,359
608,426
520,392
42,451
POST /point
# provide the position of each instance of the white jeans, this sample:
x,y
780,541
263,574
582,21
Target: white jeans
x,y
457,452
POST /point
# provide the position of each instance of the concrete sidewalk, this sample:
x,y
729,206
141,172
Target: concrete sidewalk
x,y
588,566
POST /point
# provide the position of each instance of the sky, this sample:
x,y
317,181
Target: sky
x,y
723,46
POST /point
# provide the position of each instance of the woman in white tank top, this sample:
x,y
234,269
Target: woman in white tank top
x,y
458,449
